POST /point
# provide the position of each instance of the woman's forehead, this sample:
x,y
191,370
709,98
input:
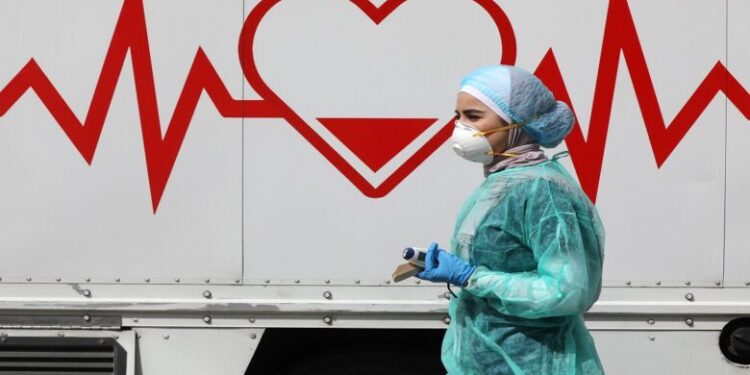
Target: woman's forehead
x,y
465,101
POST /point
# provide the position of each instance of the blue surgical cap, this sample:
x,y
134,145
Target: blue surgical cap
x,y
521,98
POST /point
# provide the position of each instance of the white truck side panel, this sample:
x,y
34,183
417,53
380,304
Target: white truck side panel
x,y
666,224
296,201
252,202
290,188
665,352
97,221
185,351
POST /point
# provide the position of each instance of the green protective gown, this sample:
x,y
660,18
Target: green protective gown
x,y
537,244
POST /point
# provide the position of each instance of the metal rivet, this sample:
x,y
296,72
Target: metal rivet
x,y
177,280
356,281
689,297
718,283
447,295
267,281
165,336
138,335
388,281
253,336
88,279
102,342
117,279
327,320
252,320
296,281
747,283
1,279
61,334
58,279
687,283
652,338
3,339
417,281
87,318
148,280
689,321
658,283
207,319
207,293
447,320
327,294
87,293
236,280
628,283
135,320
28,279
207,281
651,321
327,281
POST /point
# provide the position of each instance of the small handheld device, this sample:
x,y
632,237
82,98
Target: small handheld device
x,y
414,257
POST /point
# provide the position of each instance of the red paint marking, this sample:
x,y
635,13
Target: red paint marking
x,y
161,151
246,51
621,36
376,141
378,14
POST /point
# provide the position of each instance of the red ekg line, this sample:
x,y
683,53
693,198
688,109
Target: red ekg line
x,y
161,151
621,36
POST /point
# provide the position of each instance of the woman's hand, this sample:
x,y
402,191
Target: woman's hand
x,y
441,266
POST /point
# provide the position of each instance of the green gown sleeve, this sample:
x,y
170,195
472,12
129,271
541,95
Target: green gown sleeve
x,y
565,281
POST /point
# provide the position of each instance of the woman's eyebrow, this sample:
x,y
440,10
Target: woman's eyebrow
x,y
470,111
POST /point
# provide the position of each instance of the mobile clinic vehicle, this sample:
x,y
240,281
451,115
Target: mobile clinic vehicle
x,y
214,187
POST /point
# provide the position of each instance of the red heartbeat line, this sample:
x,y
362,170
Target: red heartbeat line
x,y
620,35
161,151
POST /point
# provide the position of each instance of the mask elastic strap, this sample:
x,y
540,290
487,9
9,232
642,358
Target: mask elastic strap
x,y
506,154
488,132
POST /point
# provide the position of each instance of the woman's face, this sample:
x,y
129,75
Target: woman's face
x,y
472,112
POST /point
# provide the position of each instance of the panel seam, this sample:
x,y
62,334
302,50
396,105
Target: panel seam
x,y
726,137
242,157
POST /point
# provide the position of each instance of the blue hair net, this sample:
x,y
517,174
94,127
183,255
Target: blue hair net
x,y
525,100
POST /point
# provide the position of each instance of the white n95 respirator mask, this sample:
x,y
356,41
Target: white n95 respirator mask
x,y
472,144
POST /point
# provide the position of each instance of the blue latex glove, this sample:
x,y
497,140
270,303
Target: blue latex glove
x,y
442,266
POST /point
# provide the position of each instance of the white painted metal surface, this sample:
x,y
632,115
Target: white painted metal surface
x,y
666,224
642,352
195,351
294,198
252,203
97,221
289,189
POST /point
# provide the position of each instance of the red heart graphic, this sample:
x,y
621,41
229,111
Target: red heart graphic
x,y
373,158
